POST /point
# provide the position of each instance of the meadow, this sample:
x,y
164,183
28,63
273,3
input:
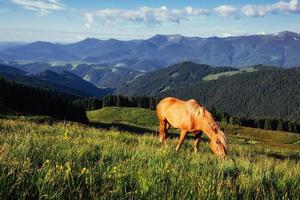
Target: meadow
x,y
45,159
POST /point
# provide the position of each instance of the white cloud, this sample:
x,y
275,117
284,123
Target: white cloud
x,y
261,33
227,11
144,15
43,7
261,10
231,33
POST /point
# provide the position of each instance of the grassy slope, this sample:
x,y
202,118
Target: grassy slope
x,y
216,76
147,118
133,116
72,161
211,77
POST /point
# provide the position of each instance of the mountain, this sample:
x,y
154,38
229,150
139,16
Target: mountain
x,y
70,80
253,92
65,82
281,49
153,83
37,51
105,77
273,93
100,75
8,70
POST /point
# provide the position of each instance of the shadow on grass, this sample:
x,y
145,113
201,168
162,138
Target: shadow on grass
x,y
139,130
284,157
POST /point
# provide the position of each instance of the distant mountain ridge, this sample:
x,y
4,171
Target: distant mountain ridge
x,y
281,49
102,76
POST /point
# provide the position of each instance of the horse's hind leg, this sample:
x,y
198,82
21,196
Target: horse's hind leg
x,y
181,139
162,132
196,142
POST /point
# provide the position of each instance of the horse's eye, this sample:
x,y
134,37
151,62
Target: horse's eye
x,y
218,142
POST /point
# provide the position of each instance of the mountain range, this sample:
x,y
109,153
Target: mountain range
x,y
102,76
281,49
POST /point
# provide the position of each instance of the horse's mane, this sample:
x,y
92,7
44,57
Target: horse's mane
x,y
200,111
223,139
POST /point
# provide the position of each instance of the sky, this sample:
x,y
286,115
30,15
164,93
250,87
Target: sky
x,y
69,21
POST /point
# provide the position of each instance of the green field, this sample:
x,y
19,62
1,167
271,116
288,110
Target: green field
x,y
63,160
133,116
141,117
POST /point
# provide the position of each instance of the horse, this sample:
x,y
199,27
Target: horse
x,y
192,117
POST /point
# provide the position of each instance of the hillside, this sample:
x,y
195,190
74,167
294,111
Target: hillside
x,y
153,83
64,81
265,94
280,49
71,161
105,76
253,92
19,99
72,81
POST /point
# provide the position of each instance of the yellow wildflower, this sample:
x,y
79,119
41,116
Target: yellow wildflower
x,y
46,162
68,168
84,170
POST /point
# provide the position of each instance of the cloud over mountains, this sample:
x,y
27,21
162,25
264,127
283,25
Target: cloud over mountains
x,y
144,15
159,15
43,7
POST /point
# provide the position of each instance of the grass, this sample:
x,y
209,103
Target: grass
x,y
64,160
211,77
133,116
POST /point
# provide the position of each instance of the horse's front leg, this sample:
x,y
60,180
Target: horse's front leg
x,y
162,131
181,139
196,142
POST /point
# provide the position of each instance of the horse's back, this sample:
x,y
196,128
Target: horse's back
x,y
174,111
163,105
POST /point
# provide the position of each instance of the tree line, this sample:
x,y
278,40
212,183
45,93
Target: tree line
x,y
25,99
151,103
94,103
262,123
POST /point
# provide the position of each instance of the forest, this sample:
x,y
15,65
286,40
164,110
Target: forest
x,y
21,99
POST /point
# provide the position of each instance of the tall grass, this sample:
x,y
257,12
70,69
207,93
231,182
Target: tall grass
x,y
72,161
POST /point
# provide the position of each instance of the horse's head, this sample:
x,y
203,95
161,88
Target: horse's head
x,y
218,144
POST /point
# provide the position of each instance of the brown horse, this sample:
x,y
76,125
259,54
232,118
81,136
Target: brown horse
x,y
190,116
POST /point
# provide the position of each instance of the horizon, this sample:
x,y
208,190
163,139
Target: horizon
x,y
132,39
67,22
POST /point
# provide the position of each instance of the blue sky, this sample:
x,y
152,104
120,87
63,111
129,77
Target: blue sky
x,y
74,20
